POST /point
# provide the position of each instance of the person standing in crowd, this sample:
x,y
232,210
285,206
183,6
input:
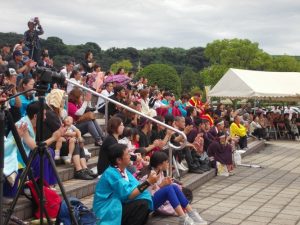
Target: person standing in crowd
x,y
32,40
88,62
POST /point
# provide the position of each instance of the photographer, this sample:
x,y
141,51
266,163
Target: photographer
x,y
31,38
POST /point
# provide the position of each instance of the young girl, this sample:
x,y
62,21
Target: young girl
x,y
165,190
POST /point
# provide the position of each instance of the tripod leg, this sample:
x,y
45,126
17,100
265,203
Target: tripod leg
x,y
62,189
19,191
25,159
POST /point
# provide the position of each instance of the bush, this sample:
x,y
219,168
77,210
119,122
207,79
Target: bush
x,y
164,75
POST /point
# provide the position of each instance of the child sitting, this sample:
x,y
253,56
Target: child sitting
x,y
143,161
72,136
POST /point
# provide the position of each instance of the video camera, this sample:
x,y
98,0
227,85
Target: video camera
x,y
46,76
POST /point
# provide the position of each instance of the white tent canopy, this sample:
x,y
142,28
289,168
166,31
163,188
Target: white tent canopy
x,y
236,83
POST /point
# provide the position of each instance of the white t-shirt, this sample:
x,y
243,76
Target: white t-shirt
x,y
101,101
71,86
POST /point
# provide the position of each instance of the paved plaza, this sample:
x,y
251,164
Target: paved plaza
x,y
253,196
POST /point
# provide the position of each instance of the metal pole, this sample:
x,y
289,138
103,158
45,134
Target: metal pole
x,y
136,112
106,114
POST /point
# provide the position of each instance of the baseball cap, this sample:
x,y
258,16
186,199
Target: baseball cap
x,y
17,53
25,48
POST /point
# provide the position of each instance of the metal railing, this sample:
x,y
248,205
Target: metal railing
x,y
107,99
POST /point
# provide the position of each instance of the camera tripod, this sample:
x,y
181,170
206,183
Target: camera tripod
x,y
42,151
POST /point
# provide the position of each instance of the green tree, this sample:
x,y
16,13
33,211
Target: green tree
x,y
286,63
164,75
237,53
189,78
211,75
125,64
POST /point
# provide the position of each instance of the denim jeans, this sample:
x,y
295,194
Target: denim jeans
x,y
91,127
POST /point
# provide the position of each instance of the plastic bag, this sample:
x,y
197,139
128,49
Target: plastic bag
x,y
222,169
237,158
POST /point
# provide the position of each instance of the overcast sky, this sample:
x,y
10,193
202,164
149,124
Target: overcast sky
x,y
274,24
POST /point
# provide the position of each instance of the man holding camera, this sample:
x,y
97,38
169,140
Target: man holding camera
x,y
31,38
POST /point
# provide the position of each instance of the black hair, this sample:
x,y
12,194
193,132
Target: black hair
x,y
33,109
158,158
189,110
74,72
142,151
169,119
197,121
127,132
118,89
116,151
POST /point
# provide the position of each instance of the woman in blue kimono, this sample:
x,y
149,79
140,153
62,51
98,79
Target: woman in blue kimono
x,y
119,197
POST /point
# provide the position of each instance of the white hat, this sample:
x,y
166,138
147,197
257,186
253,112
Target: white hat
x,y
12,71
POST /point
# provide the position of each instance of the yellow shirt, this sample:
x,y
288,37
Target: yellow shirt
x,y
236,130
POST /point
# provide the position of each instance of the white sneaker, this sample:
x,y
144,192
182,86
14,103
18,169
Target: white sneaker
x,y
186,221
194,215
67,160
87,153
56,156
183,166
180,167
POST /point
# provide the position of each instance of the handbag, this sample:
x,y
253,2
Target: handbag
x,y
86,117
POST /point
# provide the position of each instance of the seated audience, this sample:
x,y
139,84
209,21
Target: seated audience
x,y
238,130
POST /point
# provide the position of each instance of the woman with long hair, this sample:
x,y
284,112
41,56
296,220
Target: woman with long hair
x,y
77,106
115,129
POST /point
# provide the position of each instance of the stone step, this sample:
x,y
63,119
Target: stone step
x,y
75,188
66,172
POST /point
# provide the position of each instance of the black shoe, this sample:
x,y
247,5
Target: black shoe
x,y
198,171
90,173
82,175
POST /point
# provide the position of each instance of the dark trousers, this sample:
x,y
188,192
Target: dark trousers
x,y
259,132
135,212
243,142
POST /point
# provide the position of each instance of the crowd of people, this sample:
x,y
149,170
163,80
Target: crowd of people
x,y
134,151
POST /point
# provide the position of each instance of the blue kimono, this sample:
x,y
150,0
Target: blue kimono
x,y
111,191
12,157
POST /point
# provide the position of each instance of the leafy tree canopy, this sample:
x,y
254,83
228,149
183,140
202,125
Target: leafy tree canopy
x,y
164,75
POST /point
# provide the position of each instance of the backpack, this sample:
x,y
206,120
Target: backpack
x,y
52,199
83,215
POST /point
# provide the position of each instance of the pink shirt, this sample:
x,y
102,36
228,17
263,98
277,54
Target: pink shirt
x,y
72,109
